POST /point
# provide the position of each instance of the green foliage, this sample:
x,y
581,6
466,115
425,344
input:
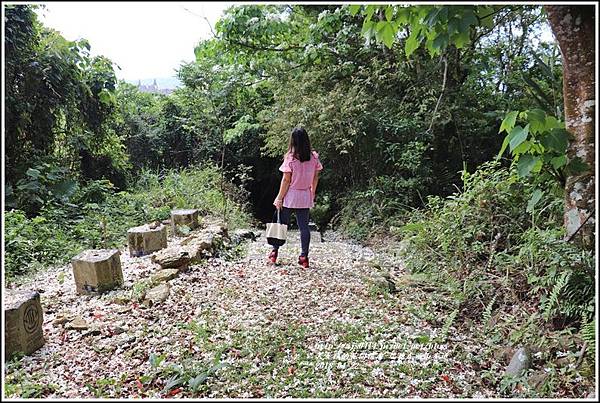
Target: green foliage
x,y
59,100
435,26
189,373
381,205
561,273
43,184
589,335
541,144
61,231
26,385
484,240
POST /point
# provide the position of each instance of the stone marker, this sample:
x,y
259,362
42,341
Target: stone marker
x,y
188,218
97,270
519,362
23,327
146,239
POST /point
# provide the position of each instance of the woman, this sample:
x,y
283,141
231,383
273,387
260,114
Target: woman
x,y
298,187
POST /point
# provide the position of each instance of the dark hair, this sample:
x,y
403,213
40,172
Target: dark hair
x,y
299,145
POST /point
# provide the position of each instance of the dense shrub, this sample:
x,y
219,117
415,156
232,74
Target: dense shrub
x,y
383,204
100,218
494,253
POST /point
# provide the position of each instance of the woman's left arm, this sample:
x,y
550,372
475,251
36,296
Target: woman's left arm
x,y
315,182
283,189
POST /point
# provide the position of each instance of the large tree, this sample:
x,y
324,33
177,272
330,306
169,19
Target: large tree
x,y
574,29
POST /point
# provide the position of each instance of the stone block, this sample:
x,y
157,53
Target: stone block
x,y
520,361
197,246
97,270
146,239
172,258
23,323
164,275
188,217
157,294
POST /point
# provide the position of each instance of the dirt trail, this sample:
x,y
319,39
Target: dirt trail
x,y
243,328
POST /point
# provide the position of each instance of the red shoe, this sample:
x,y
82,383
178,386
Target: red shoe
x,y
273,256
303,261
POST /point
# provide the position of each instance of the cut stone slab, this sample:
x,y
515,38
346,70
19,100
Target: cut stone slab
x,y
23,323
97,270
157,294
519,362
197,244
164,275
78,323
146,239
172,258
189,218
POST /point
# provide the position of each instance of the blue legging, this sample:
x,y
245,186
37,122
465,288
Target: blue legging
x,y
302,220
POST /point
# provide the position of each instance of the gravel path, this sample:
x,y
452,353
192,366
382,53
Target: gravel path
x,y
240,327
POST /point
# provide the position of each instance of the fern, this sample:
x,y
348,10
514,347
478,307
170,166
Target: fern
x,y
447,323
552,301
487,312
588,334
578,296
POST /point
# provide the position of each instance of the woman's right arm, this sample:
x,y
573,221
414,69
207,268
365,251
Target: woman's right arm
x,y
283,189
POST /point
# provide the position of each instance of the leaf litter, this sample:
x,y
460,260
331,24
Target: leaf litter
x,y
274,331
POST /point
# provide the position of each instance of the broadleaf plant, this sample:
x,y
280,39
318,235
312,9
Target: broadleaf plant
x,y
540,145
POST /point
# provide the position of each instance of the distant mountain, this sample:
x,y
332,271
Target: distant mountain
x,y
161,82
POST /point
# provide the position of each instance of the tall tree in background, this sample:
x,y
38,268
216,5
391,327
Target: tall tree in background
x,y
437,27
574,29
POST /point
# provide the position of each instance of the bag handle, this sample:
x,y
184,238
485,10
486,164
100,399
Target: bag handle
x,y
278,220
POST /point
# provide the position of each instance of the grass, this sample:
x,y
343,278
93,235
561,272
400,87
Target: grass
x,y
24,385
61,231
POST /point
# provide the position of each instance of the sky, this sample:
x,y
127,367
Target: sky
x,y
146,40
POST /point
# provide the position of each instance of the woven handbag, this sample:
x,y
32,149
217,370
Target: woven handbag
x,y
276,232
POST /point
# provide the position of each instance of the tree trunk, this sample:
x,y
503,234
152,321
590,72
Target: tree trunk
x,y
574,29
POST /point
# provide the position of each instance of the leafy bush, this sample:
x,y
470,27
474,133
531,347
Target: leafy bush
x,y
44,183
493,252
382,204
31,242
103,217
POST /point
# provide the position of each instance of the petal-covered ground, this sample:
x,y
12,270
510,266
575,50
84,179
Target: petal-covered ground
x,y
240,327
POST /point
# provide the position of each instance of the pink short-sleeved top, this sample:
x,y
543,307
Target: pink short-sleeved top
x,y
299,194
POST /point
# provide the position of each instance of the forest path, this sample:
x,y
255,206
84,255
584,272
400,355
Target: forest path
x,y
244,328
